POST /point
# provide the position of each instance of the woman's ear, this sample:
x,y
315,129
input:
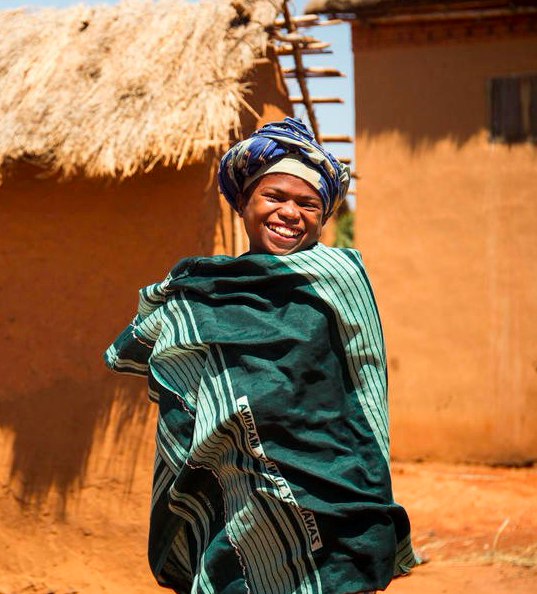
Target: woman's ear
x,y
240,202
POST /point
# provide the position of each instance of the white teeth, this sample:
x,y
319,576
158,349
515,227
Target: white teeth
x,y
285,231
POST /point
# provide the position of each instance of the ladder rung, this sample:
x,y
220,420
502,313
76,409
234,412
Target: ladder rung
x,y
289,50
335,138
309,45
312,72
299,21
328,22
309,20
294,99
297,38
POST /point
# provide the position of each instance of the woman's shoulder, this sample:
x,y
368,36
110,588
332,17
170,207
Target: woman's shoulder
x,y
351,253
335,259
317,263
188,264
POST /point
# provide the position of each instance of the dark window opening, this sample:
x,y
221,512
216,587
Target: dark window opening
x,y
513,108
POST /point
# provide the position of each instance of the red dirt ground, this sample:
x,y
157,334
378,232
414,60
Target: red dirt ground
x,y
478,526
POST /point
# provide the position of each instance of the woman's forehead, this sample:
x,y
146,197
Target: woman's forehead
x,y
286,183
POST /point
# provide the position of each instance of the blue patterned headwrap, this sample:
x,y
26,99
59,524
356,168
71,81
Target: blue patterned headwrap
x,y
272,142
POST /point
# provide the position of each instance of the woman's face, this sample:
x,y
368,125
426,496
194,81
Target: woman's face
x,y
282,215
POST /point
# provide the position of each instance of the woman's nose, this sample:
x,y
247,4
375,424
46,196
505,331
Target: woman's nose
x,y
289,210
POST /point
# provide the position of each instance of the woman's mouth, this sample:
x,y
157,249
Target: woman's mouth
x,y
283,231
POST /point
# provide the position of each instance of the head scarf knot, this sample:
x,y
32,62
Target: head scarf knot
x,y
272,142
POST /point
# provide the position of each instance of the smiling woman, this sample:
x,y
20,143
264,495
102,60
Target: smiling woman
x,y
272,464
284,185
282,214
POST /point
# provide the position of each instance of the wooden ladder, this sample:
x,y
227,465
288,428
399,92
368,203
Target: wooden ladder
x,y
292,41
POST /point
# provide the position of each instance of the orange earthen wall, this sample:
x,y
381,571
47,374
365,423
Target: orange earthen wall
x,y
447,224
73,257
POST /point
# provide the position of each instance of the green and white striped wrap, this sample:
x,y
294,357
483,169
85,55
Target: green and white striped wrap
x,y
272,463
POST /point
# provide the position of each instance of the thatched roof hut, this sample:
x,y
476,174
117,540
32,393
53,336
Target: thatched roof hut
x,y
112,119
111,90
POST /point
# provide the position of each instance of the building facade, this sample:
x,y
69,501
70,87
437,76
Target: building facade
x,y
446,218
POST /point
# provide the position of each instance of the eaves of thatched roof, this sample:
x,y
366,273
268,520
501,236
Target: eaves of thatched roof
x,y
110,90
383,8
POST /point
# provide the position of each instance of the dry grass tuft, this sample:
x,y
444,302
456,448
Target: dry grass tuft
x,y
112,90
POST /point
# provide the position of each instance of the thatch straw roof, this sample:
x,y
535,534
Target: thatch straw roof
x,y
111,90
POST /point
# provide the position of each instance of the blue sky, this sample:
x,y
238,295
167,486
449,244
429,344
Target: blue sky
x,y
333,118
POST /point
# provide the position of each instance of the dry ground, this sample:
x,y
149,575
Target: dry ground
x,y
477,524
